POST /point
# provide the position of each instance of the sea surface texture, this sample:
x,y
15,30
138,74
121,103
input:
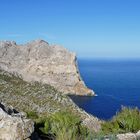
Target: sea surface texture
x,y
116,82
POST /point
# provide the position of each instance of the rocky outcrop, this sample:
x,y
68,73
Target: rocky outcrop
x,y
38,61
14,125
129,136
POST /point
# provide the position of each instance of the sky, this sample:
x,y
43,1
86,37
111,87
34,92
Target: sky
x,y
91,28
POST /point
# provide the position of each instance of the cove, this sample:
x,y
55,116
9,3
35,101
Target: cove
x,y
116,82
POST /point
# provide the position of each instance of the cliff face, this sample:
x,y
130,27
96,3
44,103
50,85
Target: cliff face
x,y
38,61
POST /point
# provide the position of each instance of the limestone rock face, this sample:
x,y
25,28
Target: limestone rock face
x,y
38,61
13,125
129,136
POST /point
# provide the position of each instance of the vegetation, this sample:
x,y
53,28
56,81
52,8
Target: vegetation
x,y
65,126
62,126
32,115
127,120
38,98
47,107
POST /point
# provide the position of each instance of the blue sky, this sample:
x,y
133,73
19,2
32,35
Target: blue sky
x,y
91,28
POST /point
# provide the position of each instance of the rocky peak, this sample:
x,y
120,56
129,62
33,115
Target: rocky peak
x,y
37,42
7,43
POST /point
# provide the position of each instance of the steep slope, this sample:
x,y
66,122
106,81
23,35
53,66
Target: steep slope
x,y
38,61
40,98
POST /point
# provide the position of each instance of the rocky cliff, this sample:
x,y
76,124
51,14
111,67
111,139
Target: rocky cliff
x,y
38,61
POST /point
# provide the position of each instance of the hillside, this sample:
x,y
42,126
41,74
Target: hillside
x,y
42,99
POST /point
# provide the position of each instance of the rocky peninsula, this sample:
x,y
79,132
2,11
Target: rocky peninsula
x,y
49,64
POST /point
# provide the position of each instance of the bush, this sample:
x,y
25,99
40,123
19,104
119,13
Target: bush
x,y
32,115
127,120
64,126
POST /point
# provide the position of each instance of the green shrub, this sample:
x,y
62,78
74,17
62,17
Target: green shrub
x,y
127,120
64,126
32,115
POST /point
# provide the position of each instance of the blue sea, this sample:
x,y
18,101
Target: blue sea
x,y
116,82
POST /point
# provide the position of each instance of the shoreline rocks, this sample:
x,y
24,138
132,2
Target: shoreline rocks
x,y
38,61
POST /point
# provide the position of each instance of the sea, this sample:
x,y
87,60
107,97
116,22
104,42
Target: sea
x,y
116,83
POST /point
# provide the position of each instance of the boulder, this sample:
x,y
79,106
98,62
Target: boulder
x,y
14,126
127,136
138,135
